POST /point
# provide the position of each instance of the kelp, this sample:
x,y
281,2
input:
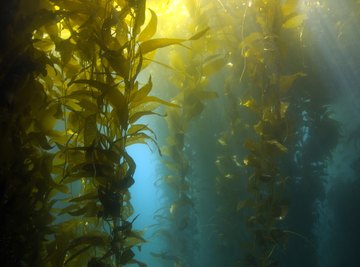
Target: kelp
x,y
26,185
71,104
189,75
255,142
80,63
101,104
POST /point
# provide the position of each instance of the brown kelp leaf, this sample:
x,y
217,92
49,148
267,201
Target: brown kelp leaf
x,y
118,62
94,239
286,81
153,44
150,29
155,99
89,210
113,95
137,115
199,34
39,139
140,8
142,92
89,196
294,22
289,7
278,145
136,128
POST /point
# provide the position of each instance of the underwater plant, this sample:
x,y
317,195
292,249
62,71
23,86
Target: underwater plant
x,y
177,221
242,172
26,185
84,60
257,96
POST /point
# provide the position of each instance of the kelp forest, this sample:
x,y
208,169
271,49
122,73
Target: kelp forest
x,y
179,133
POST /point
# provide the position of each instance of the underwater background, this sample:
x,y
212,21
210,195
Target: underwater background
x,y
180,133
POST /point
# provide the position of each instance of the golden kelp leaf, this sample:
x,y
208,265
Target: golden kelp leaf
x,y
89,106
149,106
118,62
154,44
142,92
213,66
155,99
140,138
98,239
39,139
45,45
113,95
279,146
52,29
286,81
199,34
66,49
134,117
249,103
73,122
294,22
289,7
150,29
47,120
138,128
134,239
140,7
157,62
173,209
118,102
85,197
102,87
59,187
